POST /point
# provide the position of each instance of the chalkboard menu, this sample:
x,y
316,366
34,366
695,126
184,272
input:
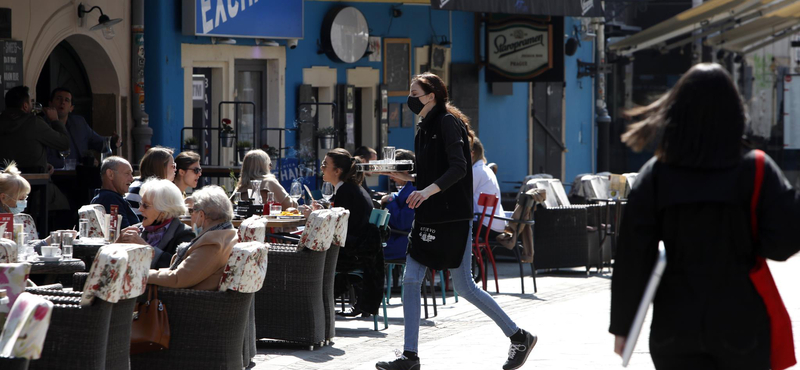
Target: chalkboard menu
x,y
397,66
10,66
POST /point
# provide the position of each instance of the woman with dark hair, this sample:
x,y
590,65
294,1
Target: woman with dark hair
x,y
698,195
156,162
188,171
441,237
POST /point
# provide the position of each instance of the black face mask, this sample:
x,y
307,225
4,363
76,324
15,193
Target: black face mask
x,y
415,104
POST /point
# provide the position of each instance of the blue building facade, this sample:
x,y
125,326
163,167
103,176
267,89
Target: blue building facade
x,y
504,119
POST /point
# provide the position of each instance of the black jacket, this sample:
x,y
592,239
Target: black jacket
x,y
356,200
705,299
443,157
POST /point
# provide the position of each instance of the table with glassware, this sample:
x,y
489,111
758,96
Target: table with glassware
x,y
273,222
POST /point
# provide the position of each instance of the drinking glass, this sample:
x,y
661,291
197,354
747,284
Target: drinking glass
x,y
296,191
255,193
64,154
275,210
327,191
37,108
388,154
83,227
55,238
66,240
70,164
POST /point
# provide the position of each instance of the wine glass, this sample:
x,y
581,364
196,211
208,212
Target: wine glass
x,y
327,191
255,191
64,154
37,108
296,191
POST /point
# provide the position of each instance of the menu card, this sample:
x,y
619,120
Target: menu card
x,y
6,223
113,223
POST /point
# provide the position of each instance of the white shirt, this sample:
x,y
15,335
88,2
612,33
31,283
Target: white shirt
x,y
337,186
484,181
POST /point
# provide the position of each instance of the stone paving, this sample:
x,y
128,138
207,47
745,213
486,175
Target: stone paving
x,y
569,313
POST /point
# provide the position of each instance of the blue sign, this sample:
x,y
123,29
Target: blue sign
x,y
275,19
292,169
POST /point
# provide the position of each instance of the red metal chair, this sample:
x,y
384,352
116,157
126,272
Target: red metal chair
x,y
480,244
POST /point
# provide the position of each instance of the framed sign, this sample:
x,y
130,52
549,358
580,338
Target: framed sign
x,y
440,62
375,48
397,66
523,48
273,19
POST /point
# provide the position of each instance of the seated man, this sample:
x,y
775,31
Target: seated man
x,y
25,136
82,137
116,174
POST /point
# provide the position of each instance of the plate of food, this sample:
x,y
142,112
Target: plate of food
x,y
291,213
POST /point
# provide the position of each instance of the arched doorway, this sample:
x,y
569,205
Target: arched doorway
x,y
64,68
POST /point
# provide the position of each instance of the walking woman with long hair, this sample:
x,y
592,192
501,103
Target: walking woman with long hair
x,y
441,236
719,211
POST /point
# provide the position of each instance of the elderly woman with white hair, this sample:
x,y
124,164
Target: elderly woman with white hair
x,y
161,206
199,264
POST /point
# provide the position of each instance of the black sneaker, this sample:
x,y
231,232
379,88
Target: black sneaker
x,y
519,351
401,363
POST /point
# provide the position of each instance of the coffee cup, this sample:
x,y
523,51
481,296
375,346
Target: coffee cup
x,y
49,252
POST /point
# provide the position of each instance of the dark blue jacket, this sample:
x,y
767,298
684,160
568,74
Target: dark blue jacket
x,y
400,220
108,197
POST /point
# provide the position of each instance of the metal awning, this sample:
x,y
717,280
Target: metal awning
x,y
572,8
774,23
711,12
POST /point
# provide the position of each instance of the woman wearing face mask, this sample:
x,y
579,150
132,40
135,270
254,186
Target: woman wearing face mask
x,y
199,264
443,204
161,206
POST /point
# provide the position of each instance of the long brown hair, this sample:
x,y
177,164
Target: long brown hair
x,y
700,121
348,164
154,163
431,83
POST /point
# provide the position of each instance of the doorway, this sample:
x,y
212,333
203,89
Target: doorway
x,y
251,86
547,116
64,68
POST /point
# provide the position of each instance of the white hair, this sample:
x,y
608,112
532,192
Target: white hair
x,y
213,201
164,196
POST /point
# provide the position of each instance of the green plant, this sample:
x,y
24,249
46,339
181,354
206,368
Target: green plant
x,y
270,150
326,131
190,141
233,178
244,144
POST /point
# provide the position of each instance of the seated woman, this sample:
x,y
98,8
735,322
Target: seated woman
x,y
156,162
199,264
256,166
189,171
401,216
161,227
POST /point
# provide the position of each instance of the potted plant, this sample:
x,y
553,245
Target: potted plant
x,y
191,144
226,135
243,147
326,137
272,152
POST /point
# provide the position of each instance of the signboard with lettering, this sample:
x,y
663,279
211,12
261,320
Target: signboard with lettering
x,y
274,19
521,48
10,66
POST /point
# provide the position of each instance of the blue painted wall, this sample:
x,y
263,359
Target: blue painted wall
x,y
504,119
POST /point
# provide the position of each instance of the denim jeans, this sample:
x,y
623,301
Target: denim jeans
x,y
463,284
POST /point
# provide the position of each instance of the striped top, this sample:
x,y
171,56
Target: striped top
x,y
133,197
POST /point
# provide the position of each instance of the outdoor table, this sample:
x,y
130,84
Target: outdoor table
x,y
86,249
613,222
271,222
40,180
52,269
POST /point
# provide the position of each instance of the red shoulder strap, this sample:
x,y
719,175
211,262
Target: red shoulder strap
x,y
759,178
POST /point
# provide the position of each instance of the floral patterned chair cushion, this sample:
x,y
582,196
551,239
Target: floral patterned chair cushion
x,y
13,277
119,271
319,230
340,228
96,215
28,226
246,268
25,330
8,251
253,229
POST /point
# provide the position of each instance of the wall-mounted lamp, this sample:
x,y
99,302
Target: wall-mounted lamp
x,y
103,23
223,40
266,42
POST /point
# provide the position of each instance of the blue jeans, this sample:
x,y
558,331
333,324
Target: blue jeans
x,y
463,284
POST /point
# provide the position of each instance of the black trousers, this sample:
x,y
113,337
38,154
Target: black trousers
x,y
748,352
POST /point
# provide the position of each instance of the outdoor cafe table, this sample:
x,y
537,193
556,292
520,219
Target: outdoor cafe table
x,y
271,222
51,270
86,249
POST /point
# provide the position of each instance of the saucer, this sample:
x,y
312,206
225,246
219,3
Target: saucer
x,y
49,259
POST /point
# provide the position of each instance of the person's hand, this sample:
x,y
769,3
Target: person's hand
x,y
386,199
116,139
418,196
50,169
316,205
131,235
619,344
73,232
305,210
51,114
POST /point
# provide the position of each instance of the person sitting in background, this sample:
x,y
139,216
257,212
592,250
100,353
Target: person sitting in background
x,y
156,162
199,264
161,207
367,154
401,217
82,137
485,181
189,171
256,166
25,136
116,175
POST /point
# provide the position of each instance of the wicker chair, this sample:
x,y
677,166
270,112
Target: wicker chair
x,y
289,307
328,300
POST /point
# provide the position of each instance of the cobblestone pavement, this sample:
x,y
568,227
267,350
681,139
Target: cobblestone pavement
x,y
569,313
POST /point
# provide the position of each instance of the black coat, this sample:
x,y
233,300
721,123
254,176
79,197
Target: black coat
x,y
356,200
705,299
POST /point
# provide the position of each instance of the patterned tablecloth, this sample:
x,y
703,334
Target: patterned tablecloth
x,y
119,272
246,268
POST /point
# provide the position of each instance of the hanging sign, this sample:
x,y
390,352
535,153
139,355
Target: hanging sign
x,y
524,49
274,19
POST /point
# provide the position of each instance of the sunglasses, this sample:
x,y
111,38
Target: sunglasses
x,y
196,170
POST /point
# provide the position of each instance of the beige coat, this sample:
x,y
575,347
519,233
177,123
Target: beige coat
x,y
203,264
